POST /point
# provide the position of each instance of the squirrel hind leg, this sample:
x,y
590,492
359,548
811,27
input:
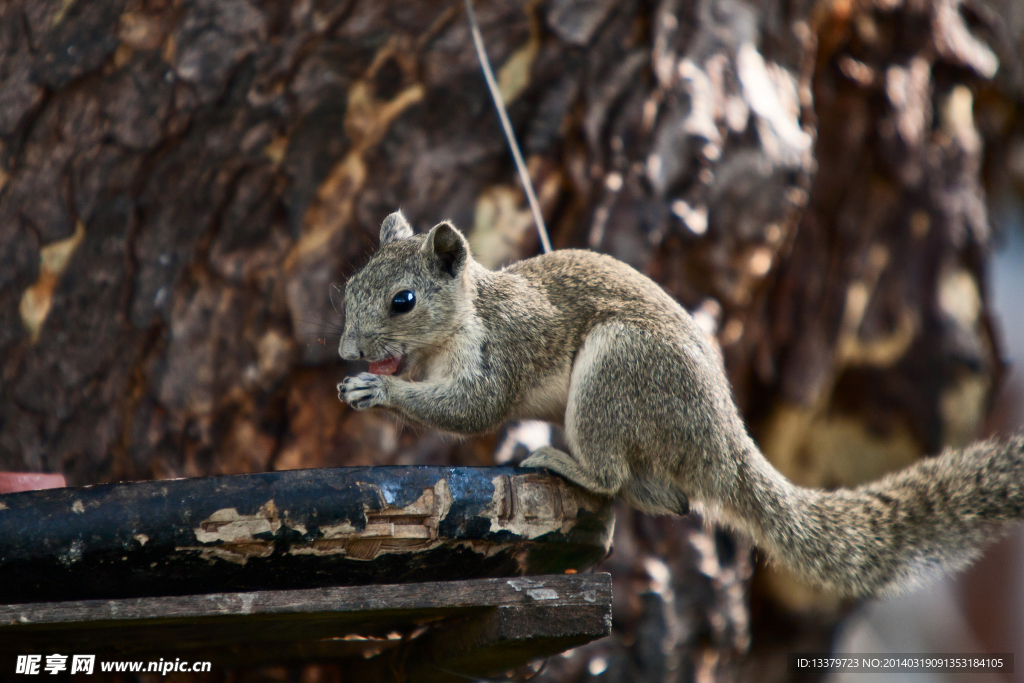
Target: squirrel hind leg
x,y
619,416
562,463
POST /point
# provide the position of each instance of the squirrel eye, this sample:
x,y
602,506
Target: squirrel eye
x,y
403,301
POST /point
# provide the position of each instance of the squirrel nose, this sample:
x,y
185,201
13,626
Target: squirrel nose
x,y
349,349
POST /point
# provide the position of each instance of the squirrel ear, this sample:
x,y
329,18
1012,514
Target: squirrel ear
x,y
395,227
446,248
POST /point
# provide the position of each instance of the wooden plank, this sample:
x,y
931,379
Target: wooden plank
x,y
524,616
503,638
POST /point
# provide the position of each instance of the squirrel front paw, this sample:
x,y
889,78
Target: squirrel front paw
x,y
363,391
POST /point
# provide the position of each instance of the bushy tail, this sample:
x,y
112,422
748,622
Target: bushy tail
x,y
893,534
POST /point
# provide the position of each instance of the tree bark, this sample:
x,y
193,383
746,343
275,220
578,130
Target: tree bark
x,y
185,187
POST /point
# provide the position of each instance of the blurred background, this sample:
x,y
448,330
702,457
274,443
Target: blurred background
x,y
833,188
983,609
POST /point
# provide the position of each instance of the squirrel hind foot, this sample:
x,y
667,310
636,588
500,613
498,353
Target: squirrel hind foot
x,y
645,493
562,463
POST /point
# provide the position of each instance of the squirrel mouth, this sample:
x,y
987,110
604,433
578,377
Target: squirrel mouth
x,y
388,366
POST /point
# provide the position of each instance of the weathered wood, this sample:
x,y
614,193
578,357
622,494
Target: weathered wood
x,y
296,529
478,625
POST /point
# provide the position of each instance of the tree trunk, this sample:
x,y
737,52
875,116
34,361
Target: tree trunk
x,y
185,187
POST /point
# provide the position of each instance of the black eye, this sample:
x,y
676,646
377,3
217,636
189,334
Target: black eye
x,y
403,301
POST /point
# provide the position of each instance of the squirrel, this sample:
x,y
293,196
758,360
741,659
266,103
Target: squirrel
x,y
584,341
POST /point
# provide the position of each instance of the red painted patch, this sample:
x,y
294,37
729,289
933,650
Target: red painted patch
x,y
12,482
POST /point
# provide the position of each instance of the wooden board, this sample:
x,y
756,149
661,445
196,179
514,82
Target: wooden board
x,y
425,630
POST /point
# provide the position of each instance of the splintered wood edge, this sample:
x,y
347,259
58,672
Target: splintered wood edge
x,y
580,590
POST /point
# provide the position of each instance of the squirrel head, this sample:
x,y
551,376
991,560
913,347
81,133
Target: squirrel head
x,y
410,296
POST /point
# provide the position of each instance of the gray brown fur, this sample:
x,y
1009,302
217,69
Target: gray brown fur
x,y
583,340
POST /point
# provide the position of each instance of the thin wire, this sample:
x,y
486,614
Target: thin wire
x,y
485,65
